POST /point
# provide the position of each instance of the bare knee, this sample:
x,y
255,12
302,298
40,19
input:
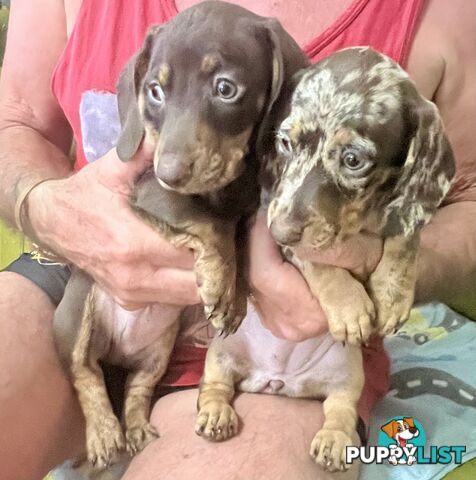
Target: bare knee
x,y
25,326
21,297
38,411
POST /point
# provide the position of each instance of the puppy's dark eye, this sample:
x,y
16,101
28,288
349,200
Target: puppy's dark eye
x,y
226,89
155,93
352,160
283,144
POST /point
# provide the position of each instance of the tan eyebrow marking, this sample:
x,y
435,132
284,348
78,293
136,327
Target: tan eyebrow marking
x,y
209,63
164,74
295,131
342,136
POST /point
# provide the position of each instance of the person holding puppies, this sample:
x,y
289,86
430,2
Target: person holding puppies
x,y
85,219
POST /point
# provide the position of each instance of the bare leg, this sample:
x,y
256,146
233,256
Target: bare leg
x,y
42,424
273,444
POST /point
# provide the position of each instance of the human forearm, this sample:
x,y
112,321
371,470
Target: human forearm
x,y
25,157
35,136
447,262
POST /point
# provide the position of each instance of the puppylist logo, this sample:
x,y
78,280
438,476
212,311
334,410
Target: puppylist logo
x,y
402,442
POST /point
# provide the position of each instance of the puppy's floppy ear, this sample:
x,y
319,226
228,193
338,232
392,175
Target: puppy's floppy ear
x,y
409,421
427,172
390,428
128,88
286,59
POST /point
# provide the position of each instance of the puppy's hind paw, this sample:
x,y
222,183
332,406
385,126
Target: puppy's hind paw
x,y
216,421
328,448
105,442
138,437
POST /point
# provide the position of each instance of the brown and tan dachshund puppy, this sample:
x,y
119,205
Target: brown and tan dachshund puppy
x,y
201,91
359,151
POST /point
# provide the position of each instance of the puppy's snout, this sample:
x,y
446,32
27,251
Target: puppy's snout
x,y
285,233
413,430
172,170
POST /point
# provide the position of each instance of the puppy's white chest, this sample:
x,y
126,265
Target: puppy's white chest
x,y
125,334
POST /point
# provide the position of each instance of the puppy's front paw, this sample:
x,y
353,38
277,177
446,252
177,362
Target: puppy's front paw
x,y
224,301
224,315
328,449
393,304
216,421
138,437
351,321
392,289
391,318
104,442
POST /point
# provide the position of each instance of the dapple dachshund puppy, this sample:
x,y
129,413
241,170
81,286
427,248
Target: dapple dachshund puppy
x,y
200,91
360,151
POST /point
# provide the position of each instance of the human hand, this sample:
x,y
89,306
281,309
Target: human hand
x,y
281,296
86,219
359,254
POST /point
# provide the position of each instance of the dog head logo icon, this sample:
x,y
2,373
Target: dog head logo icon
x,y
402,441
402,433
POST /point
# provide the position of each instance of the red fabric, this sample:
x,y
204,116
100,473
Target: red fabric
x,y
106,34
388,29
186,367
377,377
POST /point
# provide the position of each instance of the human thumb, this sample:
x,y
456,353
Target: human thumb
x,y
127,172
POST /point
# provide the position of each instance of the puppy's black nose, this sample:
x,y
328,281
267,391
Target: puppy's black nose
x,y
285,233
172,170
412,429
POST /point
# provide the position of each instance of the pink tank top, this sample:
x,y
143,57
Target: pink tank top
x,y
107,33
